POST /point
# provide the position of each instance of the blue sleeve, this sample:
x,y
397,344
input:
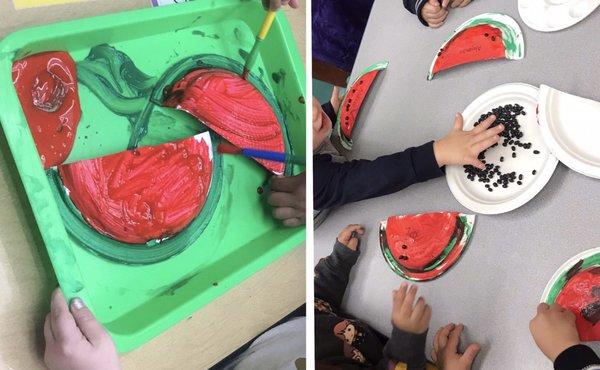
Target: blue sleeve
x,y
415,6
336,184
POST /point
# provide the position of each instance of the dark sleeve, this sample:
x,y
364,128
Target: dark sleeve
x,y
406,347
328,109
576,358
331,274
336,184
415,6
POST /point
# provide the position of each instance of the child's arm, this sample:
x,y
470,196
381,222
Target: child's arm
x,y
411,321
335,184
331,273
554,331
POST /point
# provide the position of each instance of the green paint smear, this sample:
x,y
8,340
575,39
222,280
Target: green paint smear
x,y
559,284
513,43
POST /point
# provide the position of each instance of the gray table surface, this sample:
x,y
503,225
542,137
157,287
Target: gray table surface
x,y
497,284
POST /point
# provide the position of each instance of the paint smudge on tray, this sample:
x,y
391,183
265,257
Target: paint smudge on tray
x,y
46,85
233,108
140,195
579,295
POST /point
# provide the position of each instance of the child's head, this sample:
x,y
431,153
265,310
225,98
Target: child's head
x,y
321,125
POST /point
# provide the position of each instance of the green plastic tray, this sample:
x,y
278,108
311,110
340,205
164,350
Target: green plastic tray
x,y
137,302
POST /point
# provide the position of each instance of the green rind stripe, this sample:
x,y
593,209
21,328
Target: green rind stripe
x,y
560,283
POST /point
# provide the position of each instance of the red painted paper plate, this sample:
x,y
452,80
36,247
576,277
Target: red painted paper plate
x,y
422,247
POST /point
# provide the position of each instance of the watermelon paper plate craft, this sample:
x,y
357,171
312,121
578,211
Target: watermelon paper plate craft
x,y
484,37
353,100
555,15
422,247
569,125
576,286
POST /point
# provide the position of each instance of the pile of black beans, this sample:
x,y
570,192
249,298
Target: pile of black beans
x,y
492,176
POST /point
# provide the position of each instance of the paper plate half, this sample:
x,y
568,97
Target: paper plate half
x,y
487,36
473,194
555,15
576,287
422,247
571,128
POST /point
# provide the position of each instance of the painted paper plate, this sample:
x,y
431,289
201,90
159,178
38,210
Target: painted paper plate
x,y
536,165
422,247
353,101
555,15
487,36
175,208
576,287
569,125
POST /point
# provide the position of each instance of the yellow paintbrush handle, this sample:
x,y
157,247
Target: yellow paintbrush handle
x,y
267,23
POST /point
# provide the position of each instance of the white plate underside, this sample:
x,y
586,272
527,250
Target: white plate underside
x,y
571,128
555,15
566,267
473,194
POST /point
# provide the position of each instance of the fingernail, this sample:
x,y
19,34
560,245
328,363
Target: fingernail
x,y
404,285
77,303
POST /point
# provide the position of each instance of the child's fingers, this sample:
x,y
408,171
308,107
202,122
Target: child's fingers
x,y
293,222
458,122
436,18
283,184
418,310
61,321
48,336
400,294
283,213
496,130
484,125
426,318
476,163
87,323
436,25
483,145
454,340
346,234
434,3
470,353
278,199
409,300
441,337
294,4
445,3
542,307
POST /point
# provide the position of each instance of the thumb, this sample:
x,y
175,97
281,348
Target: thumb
x,y
87,323
470,353
435,3
458,122
445,3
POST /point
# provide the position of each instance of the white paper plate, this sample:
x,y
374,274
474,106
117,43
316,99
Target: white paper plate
x,y
566,267
571,128
555,15
473,194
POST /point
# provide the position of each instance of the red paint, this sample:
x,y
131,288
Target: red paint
x,y
137,196
46,85
576,295
354,100
233,108
420,238
483,42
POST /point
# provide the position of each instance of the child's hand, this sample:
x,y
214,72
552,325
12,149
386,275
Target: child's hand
x,y
463,147
336,99
435,14
349,237
287,196
75,340
276,4
459,3
445,349
322,125
554,330
406,317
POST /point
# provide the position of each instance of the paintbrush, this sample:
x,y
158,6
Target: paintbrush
x,y
261,154
264,29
